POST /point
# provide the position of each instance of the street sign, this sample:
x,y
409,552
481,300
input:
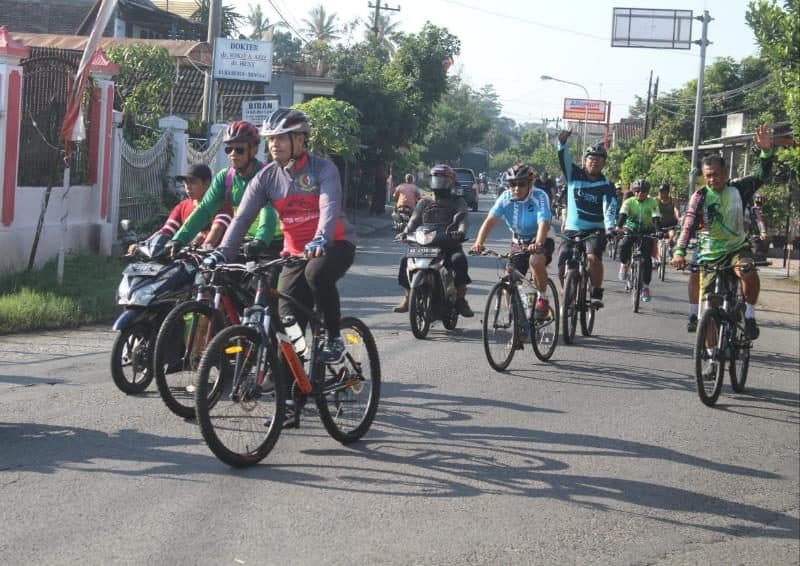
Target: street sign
x,y
256,111
581,108
243,60
653,28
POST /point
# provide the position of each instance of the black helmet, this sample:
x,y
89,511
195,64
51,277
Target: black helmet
x,y
640,185
519,172
598,150
285,120
664,188
242,131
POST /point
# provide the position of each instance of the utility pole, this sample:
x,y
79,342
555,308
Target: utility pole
x,y
378,9
653,114
214,30
647,104
698,104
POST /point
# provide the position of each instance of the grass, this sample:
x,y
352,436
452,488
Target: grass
x,y
35,301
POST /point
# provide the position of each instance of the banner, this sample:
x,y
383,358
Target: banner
x,y
583,109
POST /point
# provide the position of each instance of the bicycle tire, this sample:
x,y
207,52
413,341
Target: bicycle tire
x,y
588,312
500,326
235,357
544,333
740,360
709,368
569,312
419,310
133,348
636,277
176,378
349,397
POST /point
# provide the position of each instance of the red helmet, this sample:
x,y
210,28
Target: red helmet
x,y
443,178
241,131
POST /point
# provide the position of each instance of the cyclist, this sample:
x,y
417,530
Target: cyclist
x,y
639,217
591,207
439,212
719,208
526,212
669,212
241,141
196,180
306,191
757,227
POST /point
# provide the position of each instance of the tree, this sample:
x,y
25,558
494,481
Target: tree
x,y
231,19
334,127
386,29
258,22
636,165
321,26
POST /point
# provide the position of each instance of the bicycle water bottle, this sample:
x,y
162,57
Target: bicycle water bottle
x,y
530,304
295,334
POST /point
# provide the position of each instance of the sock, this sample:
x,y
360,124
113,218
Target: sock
x,y
541,294
693,309
749,310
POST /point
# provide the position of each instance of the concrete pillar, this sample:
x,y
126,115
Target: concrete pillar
x,y
221,160
180,139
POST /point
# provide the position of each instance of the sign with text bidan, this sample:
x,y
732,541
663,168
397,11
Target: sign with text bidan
x,y
243,60
581,108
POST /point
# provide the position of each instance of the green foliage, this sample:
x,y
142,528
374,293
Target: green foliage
x,y
231,19
335,127
31,301
671,168
636,165
146,77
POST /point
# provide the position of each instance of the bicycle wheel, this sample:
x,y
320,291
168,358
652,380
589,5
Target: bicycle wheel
x,y
131,355
500,328
419,310
709,362
587,311
636,278
662,259
351,390
569,310
740,360
184,334
544,333
243,420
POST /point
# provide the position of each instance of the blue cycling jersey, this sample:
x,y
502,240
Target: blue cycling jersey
x,y
591,205
523,216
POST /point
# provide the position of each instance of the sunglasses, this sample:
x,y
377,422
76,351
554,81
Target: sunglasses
x,y
238,150
517,183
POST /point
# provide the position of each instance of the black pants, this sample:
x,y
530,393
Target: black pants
x,y
455,258
646,249
315,284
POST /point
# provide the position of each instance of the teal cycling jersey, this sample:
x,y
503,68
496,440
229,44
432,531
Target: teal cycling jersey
x,y
523,216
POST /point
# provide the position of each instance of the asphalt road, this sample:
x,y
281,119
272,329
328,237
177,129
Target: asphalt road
x,y
603,456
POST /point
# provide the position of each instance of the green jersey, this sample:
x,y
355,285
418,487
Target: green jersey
x,y
639,215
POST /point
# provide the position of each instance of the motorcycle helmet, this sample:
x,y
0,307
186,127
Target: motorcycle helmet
x,y
598,150
285,120
443,179
519,172
242,131
640,185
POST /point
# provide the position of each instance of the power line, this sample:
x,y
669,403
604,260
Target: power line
x,y
285,21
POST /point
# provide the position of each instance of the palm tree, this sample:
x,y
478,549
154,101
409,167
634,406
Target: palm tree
x,y
230,18
386,27
258,22
321,26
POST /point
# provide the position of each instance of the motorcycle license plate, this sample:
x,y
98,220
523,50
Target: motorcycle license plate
x,y
423,252
143,269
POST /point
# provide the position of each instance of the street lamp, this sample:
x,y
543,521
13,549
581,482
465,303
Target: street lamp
x,y
585,106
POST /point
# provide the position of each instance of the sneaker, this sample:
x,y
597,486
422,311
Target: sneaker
x,y
402,306
597,298
750,329
691,326
622,275
333,351
462,306
646,295
542,309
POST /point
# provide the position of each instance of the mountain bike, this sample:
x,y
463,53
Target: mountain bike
x,y
663,252
253,368
634,284
506,322
721,337
577,290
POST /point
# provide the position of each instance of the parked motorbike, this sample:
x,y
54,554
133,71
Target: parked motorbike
x,y
433,292
400,218
149,289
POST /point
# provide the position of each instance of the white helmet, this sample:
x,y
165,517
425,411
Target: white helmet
x,y
285,120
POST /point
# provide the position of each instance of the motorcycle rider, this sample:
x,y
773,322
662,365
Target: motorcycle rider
x,y
406,195
439,212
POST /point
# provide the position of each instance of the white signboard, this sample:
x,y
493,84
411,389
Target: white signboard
x,y
256,111
243,60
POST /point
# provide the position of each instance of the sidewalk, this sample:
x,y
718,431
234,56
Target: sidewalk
x,y
367,224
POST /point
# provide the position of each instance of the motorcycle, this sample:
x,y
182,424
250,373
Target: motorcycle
x,y
400,218
150,287
433,292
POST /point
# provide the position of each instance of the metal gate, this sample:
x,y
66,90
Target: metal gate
x,y
47,77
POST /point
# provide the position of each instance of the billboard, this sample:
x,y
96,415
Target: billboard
x,y
242,59
256,111
582,108
653,28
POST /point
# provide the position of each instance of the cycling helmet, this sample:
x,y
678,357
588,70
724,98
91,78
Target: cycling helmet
x,y
519,172
664,188
598,150
443,178
285,120
640,185
241,131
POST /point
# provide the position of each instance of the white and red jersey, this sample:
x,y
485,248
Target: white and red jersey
x,y
308,201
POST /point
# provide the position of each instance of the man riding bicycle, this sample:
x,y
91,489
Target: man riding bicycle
x,y
526,212
591,207
638,218
669,212
718,208
306,191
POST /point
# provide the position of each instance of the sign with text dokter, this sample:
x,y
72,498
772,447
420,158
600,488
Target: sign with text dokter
x,y
243,60
581,108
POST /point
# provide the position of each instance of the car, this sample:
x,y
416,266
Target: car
x,y
467,186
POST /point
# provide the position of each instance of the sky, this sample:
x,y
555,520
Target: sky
x,y
511,43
